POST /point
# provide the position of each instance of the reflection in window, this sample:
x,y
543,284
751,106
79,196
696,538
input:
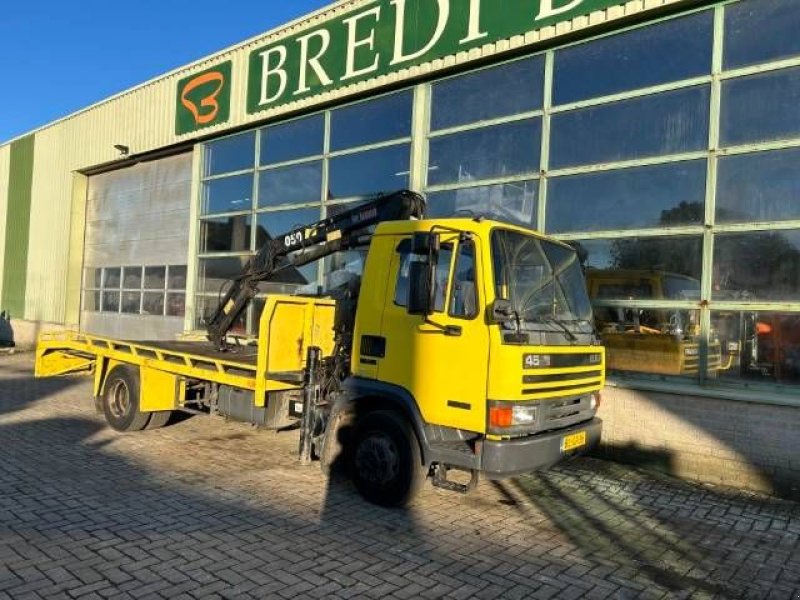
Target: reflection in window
x,y
757,346
643,268
177,277
227,155
670,51
298,184
111,302
667,123
371,172
379,120
499,151
292,140
229,194
492,93
658,341
760,107
215,274
762,186
511,202
759,31
464,300
176,305
225,234
442,275
206,306
757,266
654,196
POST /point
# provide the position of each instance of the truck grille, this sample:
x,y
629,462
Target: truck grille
x,y
562,384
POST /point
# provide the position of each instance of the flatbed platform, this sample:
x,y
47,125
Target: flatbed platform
x,y
247,355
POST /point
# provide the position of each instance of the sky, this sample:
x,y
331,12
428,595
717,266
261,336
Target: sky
x,y
58,56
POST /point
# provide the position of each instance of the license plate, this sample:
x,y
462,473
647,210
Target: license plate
x,y
572,441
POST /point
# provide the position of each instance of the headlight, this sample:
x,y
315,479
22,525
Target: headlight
x,y
523,415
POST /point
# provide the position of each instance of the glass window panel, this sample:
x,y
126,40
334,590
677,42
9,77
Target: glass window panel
x,y
655,341
215,274
112,278
278,223
370,122
499,151
155,278
660,268
464,299
758,31
763,186
225,234
761,107
757,266
207,306
656,196
670,51
176,305
667,123
501,91
371,172
131,302
511,202
111,302
229,194
755,347
94,278
292,140
132,277
177,277
153,303
297,184
442,275
235,153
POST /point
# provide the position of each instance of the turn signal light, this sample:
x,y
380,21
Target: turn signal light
x,y
501,416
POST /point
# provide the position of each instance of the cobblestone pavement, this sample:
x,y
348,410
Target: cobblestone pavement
x,y
209,509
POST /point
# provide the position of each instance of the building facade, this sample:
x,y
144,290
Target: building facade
x,y
660,137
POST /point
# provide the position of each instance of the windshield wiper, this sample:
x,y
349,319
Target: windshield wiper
x,y
548,318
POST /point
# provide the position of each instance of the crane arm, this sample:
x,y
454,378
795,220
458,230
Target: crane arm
x,y
307,244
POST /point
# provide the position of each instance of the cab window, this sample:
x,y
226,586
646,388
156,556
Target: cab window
x,y
442,275
464,300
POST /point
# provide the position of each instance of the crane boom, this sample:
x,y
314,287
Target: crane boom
x,y
306,244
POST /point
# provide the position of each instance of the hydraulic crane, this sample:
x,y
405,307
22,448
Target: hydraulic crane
x,y
307,244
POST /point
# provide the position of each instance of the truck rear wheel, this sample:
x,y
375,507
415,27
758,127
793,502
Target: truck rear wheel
x,y
158,419
121,400
386,463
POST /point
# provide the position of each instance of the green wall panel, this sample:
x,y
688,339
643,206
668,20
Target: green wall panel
x,y
18,218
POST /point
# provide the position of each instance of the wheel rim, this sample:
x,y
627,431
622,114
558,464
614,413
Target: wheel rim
x,y
377,459
119,399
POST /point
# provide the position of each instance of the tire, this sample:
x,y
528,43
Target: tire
x,y
158,419
386,463
121,400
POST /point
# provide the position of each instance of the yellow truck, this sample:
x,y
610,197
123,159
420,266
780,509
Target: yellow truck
x,y
466,344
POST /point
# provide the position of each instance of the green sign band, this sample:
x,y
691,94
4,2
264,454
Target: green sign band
x,y
389,35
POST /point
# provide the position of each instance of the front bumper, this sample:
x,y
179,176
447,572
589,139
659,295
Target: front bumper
x,y
507,458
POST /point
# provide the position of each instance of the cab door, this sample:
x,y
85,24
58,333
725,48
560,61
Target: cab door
x,y
442,359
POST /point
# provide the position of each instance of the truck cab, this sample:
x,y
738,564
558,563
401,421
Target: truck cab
x,y
480,334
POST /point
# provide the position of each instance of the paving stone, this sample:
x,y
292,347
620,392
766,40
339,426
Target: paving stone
x,y
212,509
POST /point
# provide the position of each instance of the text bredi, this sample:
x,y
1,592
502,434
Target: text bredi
x,y
362,56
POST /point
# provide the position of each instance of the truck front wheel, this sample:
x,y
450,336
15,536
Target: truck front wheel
x,y
121,400
386,463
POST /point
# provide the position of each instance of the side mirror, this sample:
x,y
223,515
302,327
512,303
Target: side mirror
x,y
422,273
501,311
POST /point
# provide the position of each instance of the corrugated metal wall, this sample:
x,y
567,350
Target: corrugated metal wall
x,y
17,225
5,155
144,120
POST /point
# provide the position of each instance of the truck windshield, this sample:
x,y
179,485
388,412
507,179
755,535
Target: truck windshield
x,y
542,280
